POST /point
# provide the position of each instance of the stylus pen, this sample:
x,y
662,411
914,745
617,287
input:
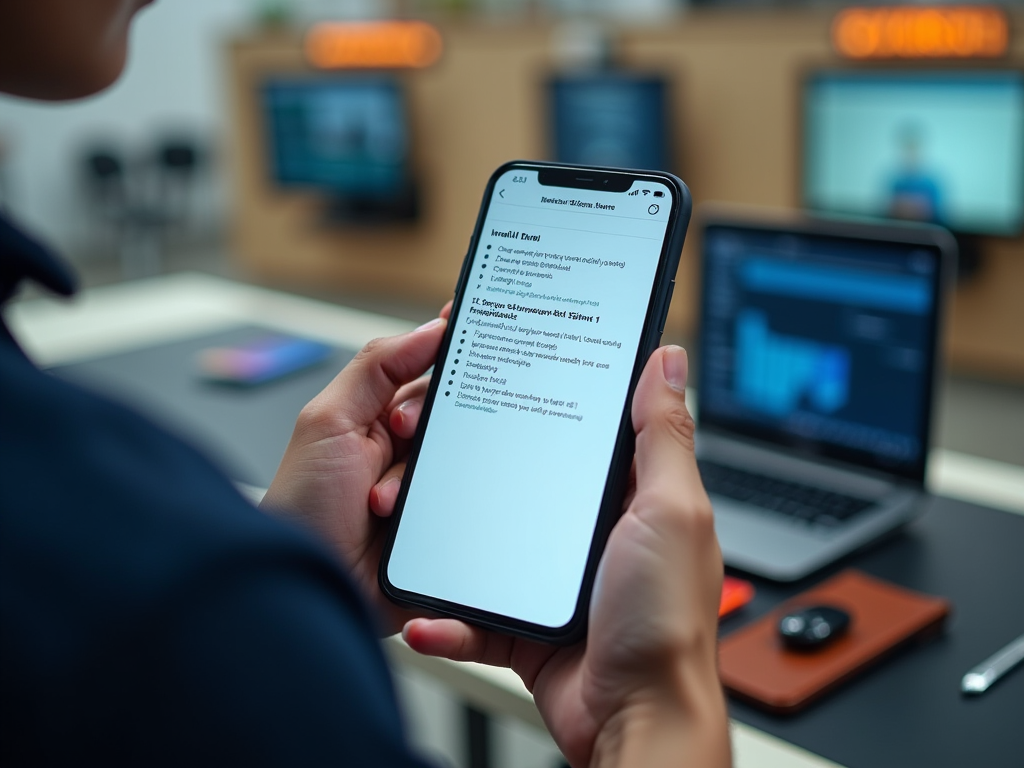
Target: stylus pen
x,y
980,679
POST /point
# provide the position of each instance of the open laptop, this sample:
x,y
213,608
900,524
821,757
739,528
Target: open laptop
x,y
819,348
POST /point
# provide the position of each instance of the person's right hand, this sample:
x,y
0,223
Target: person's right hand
x,y
643,689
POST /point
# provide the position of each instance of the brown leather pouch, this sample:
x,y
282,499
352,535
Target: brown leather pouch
x,y
757,667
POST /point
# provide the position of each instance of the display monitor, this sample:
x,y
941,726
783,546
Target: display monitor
x,y
610,118
938,146
347,136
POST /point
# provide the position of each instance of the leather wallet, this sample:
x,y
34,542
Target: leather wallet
x,y
755,665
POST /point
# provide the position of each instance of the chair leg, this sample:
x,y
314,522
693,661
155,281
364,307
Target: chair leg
x,y
478,738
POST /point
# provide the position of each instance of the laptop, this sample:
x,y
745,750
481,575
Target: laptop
x,y
820,354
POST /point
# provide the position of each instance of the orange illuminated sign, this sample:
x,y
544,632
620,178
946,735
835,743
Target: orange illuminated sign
x,y
373,45
916,32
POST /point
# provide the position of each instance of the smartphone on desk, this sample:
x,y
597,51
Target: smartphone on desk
x,y
519,467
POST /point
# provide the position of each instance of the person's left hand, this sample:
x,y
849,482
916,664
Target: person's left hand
x,y
342,446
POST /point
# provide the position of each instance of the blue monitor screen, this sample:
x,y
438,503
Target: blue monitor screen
x,y
821,342
610,118
943,147
348,136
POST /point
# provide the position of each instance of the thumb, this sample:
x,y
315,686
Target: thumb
x,y
665,458
360,393
670,494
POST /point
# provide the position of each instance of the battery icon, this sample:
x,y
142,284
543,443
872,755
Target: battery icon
x,y
658,193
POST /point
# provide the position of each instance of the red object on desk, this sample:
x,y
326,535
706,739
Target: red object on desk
x,y
735,594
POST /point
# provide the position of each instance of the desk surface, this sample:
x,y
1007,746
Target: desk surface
x,y
886,717
244,429
908,710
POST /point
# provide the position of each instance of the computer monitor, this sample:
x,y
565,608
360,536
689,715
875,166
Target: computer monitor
x,y
347,137
938,146
610,118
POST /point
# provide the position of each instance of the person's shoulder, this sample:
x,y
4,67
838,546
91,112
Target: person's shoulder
x,y
65,446
96,497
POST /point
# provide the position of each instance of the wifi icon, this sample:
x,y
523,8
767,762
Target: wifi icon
x,y
647,192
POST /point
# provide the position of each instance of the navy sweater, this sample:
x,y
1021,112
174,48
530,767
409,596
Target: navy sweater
x,y
149,615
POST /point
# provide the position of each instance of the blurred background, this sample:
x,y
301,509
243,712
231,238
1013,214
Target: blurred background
x,y
286,143
292,144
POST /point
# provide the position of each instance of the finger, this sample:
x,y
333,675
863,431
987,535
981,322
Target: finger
x,y
370,382
452,639
406,416
630,485
665,458
417,388
385,493
457,641
670,499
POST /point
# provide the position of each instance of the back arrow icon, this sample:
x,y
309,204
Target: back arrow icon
x,y
501,193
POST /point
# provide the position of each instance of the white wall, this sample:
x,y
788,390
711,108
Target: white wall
x,y
174,79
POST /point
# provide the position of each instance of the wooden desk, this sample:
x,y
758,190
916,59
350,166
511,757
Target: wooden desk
x,y
109,320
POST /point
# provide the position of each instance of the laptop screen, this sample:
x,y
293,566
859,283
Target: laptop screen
x,y
822,343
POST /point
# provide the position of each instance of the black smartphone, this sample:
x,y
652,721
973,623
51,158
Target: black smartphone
x,y
519,467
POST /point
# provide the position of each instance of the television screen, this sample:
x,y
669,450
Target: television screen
x,y
610,118
942,147
345,136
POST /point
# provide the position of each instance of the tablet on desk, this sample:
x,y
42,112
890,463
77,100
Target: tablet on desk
x,y
263,359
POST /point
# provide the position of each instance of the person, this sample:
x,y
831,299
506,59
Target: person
x,y
151,616
914,192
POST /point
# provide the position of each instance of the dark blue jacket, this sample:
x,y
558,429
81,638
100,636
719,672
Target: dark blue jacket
x,y
148,614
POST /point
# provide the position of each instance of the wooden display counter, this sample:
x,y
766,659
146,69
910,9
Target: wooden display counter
x,y
735,101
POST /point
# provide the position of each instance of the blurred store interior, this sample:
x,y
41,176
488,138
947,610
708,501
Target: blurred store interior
x,y
291,144
184,164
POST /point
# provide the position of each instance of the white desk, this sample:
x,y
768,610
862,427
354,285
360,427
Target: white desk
x,y
117,318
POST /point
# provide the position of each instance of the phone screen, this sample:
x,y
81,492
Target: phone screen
x,y
502,504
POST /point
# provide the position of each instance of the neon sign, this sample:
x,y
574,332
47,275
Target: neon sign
x,y
917,32
373,45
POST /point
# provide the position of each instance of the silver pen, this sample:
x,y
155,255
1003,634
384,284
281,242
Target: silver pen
x,y
980,679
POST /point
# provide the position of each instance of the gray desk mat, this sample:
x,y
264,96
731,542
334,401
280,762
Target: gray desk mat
x,y
905,712
243,429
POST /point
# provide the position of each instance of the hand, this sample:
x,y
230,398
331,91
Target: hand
x,y
644,687
342,445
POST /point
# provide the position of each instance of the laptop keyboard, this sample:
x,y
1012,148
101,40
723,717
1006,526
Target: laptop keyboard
x,y
795,500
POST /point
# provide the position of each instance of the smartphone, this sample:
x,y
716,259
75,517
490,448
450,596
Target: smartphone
x,y
520,463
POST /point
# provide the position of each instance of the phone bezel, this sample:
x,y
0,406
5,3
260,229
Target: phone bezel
x,y
579,177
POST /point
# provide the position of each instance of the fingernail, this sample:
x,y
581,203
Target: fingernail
x,y
431,325
676,367
400,411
